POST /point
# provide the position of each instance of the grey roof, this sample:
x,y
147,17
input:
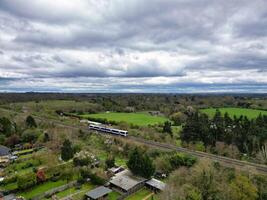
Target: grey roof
x,y
4,151
116,169
9,197
126,180
98,192
156,184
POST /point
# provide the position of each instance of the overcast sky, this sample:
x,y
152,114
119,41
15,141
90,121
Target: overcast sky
x,y
133,45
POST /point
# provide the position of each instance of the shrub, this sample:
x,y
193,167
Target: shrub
x,y
26,181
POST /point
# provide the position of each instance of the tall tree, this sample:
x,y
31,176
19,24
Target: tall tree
x,y
5,126
140,164
67,150
30,122
167,127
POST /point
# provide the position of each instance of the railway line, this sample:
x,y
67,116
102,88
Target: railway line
x,y
221,159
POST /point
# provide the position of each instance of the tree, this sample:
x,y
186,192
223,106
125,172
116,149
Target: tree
x,y
178,118
243,189
67,150
12,140
5,126
30,122
46,137
110,162
167,127
29,136
40,175
140,164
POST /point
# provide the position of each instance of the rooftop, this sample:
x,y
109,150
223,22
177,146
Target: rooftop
x,y
10,197
98,192
156,184
126,180
4,151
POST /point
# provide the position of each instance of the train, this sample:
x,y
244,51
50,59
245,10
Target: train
x,y
108,130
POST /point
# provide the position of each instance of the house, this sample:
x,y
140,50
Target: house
x,y
5,154
155,185
126,182
99,193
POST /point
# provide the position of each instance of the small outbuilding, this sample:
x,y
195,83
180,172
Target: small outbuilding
x,y
99,193
126,182
9,197
115,170
5,154
155,185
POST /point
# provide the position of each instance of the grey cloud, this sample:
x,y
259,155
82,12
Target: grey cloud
x,y
137,39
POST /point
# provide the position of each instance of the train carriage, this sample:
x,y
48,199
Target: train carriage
x,y
108,130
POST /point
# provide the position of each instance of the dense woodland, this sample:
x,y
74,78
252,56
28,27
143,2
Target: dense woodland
x,y
239,135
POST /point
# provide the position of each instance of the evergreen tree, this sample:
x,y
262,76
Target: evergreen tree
x,y
140,164
110,162
167,128
30,122
67,150
5,126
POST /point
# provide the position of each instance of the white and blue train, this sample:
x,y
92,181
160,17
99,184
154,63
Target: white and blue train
x,y
108,130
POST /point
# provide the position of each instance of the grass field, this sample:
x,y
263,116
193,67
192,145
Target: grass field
x,y
250,113
140,119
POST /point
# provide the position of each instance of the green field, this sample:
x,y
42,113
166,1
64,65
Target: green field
x,y
140,119
250,113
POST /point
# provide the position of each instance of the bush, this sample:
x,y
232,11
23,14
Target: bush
x,y
29,136
30,122
10,179
110,162
180,159
85,174
26,181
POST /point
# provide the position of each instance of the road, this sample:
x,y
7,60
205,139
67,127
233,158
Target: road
x,y
221,159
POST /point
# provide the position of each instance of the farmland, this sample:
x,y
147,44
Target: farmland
x,y
140,119
250,113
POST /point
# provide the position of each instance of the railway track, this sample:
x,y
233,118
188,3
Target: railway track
x,y
223,160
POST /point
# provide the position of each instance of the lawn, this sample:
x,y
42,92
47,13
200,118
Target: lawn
x,y
76,192
10,186
139,195
113,195
140,119
23,152
119,161
250,113
40,189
